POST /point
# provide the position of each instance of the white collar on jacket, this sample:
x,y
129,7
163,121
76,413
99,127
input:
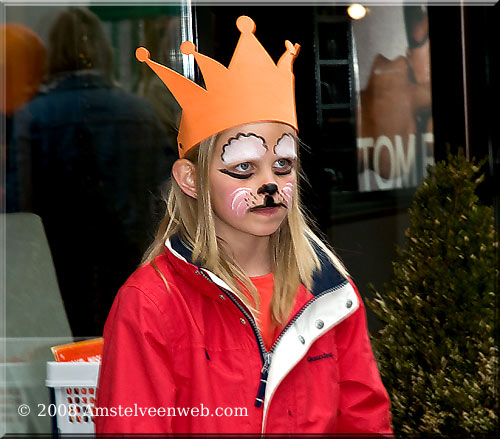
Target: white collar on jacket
x,y
334,300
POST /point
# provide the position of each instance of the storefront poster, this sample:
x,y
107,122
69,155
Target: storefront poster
x,y
395,141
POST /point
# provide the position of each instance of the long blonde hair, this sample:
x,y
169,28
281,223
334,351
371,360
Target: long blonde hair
x,y
292,254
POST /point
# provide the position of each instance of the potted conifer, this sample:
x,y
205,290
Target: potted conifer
x,y
437,349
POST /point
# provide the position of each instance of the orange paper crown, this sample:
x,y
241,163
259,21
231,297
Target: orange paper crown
x,y
253,88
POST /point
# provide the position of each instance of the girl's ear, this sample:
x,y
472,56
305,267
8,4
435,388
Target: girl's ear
x,y
184,173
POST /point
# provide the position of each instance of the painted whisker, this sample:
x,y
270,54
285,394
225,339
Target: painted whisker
x,y
237,198
239,210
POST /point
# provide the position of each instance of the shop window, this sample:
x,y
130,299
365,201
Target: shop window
x,y
373,97
91,147
394,128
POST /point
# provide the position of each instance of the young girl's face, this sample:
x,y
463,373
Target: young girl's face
x,y
252,177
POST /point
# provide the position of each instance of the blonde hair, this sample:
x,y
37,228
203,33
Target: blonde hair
x,y
292,254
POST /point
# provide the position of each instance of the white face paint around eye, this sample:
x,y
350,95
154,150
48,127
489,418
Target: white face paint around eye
x,y
243,148
286,147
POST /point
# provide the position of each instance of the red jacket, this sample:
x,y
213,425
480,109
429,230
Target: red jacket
x,y
197,348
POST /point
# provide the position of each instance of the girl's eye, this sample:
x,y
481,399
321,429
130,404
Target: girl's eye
x,y
241,171
283,166
242,167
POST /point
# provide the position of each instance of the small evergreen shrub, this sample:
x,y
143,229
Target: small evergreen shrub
x,y
437,349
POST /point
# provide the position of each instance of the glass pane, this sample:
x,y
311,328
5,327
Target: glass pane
x,y
333,43
91,136
335,83
395,135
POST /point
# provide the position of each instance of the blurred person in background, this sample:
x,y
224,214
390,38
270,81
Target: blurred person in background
x,y
163,36
23,68
86,152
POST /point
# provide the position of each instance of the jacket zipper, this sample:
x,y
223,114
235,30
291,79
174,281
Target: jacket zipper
x,y
248,316
265,355
290,323
259,400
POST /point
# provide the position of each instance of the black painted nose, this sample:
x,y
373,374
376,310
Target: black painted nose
x,y
269,189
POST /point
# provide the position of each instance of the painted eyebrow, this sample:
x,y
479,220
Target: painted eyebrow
x,y
238,137
294,138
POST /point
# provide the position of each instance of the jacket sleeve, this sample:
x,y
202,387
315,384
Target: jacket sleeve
x,y
364,403
135,379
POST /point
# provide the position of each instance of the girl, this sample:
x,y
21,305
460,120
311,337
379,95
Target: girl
x,y
240,320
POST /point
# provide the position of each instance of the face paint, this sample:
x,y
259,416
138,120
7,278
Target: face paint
x,y
287,193
243,148
270,189
248,158
235,175
240,200
286,147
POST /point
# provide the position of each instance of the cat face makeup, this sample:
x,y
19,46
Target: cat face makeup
x,y
252,178
240,199
242,148
287,147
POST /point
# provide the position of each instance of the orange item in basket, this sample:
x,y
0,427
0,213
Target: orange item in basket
x,y
86,351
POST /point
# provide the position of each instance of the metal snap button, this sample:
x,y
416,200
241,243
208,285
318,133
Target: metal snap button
x,y
243,321
319,323
302,339
221,297
348,303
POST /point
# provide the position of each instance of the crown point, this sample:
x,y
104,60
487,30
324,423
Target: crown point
x,y
293,49
188,48
142,54
245,25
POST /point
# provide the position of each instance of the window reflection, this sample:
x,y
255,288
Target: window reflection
x,y
395,136
91,150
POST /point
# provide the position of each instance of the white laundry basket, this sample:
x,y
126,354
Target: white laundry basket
x,y
73,388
